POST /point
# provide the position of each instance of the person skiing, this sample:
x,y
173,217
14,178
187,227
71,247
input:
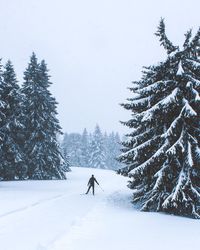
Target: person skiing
x,y
90,184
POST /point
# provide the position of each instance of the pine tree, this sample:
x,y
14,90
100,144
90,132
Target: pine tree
x,y
66,163
162,152
112,146
97,150
107,149
12,157
43,153
65,151
110,150
85,149
72,145
116,151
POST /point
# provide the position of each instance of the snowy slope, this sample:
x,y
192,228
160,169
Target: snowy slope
x,y
52,215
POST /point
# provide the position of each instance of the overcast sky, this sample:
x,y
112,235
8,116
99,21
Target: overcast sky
x,y
93,48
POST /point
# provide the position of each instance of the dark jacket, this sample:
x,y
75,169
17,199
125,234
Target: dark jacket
x,y
91,181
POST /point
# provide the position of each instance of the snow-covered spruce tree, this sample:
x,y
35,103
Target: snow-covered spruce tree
x,y
116,151
106,149
65,149
97,150
112,146
162,151
44,159
66,163
72,145
85,149
12,164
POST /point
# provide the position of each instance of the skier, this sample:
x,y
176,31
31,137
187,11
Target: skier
x,y
90,184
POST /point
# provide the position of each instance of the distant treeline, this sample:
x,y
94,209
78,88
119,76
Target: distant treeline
x,y
94,150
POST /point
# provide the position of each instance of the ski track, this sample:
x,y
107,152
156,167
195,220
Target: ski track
x,y
35,204
81,229
38,203
89,226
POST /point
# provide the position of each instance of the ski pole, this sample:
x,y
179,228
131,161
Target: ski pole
x,y
101,188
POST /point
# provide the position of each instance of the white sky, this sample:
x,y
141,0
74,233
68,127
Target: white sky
x,y
94,49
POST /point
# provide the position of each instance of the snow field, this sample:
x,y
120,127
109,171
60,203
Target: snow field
x,y
52,215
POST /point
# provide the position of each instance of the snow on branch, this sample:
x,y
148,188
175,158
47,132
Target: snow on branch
x,y
187,110
160,175
196,94
194,81
189,155
2,104
174,196
172,98
146,134
138,102
197,151
195,65
195,192
180,69
134,152
143,166
195,214
148,202
156,87
135,85
180,142
181,181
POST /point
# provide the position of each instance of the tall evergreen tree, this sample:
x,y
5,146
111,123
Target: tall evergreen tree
x,y
2,124
116,151
97,150
12,158
85,149
66,163
44,157
107,149
112,142
72,145
162,152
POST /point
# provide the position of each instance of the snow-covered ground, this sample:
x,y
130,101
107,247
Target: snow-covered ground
x,y
53,215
